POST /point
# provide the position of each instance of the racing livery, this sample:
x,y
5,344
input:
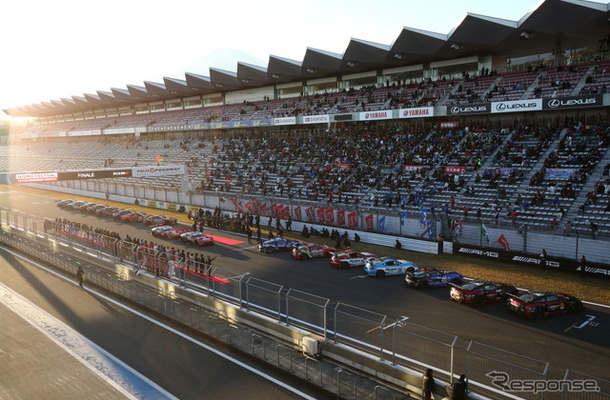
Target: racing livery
x,y
384,267
133,216
312,250
277,244
480,293
197,238
157,220
432,277
540,305
350,259
167,232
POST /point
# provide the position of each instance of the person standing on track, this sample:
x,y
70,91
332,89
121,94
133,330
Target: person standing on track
x,y
80,275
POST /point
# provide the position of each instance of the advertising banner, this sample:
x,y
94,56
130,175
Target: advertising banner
x,y
374,115
481,108
352,220
316,119
573,102
418,112
516,106
138,172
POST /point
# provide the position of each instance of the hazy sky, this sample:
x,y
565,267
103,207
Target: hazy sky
x,y
60,48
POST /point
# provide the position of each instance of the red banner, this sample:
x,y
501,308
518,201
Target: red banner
x,y
504,242
341,217
368,220
310,214
262,208
286,212
297,213
321,215
352,220
330,216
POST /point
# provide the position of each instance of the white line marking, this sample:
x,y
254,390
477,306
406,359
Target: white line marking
x,y
587,322
174,331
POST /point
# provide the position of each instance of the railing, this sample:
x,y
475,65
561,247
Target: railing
x,y
401,342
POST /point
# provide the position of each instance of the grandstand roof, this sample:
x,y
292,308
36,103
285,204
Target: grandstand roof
x,y
565,24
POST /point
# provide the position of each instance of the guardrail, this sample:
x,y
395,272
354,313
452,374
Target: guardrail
x,y
251,313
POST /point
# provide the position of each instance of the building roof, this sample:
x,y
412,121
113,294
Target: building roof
x,y
564,24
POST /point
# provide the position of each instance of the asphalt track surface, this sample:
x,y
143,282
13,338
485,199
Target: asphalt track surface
x,y
580,342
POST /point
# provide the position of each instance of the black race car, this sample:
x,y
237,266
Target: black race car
x,y
539,305
480,293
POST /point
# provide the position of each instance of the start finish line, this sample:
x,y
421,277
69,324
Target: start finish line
x,y
135,172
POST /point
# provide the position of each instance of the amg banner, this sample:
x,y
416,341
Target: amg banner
x,y
482,108
534,260
573,102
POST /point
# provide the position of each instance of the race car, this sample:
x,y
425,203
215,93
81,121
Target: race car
x,y
350,259
167,232
539,305
65,203
92,209
384,267
197,238
119,213
432,277
133,216
312,250
278,244
158,220
107,211
480,293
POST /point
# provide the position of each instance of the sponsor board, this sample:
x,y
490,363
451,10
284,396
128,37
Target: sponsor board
x,y
35,177
138,172
316,119
95,174
572,102
483,108
516,106
374,115
522,258
285,121
418,112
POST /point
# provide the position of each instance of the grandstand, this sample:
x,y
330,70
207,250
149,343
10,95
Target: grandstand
x,y
509,129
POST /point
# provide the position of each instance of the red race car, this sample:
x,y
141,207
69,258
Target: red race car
x,y
168,232
133,217
312,250
540,305
480,293
158,220
350,259
197,238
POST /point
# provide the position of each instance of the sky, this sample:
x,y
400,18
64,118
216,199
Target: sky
x,y
64,48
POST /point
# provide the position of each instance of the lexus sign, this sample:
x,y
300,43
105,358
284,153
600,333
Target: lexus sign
x,y
469,109
572,102
516,106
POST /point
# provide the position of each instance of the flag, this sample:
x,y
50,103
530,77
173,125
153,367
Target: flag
x,y
403,217
310,214
286,212
381,224
368,220
352,220
297,213
503,242
484,233
262,208
239,206
330,216
424,216
431,229
341,217
321,215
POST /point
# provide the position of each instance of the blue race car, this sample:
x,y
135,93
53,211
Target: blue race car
x,y
278,244
432,277
380,267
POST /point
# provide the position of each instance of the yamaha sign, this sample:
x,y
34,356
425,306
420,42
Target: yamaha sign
x,y
572,102
469,109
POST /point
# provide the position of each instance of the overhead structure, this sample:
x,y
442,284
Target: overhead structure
x,y
554,26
